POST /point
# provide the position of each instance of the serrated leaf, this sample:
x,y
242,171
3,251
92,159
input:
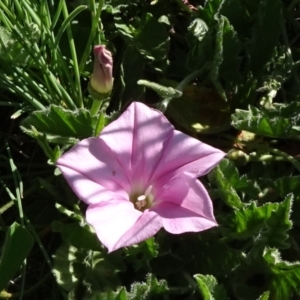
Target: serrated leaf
x,y
270,222
284,278
223,174
288,185
276,122
17,245
148,290
209,288
62,124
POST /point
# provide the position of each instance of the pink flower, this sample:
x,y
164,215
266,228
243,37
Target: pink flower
x,y
101,79
140,175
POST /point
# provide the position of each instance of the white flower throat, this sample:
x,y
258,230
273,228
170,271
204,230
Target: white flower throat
x,y
142,201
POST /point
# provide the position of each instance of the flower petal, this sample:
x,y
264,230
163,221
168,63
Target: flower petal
x,y
183,153
146,226
118,224
93,172
176,219
111,220
138,138
184,205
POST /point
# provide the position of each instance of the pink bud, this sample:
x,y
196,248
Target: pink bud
x,y
101,79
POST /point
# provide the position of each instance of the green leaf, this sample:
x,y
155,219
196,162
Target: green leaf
x,y
17,245
141,254
122,295
264,296
226,176
209,288
77,236
149,38
237,13
266,32
151,289
60,125
211,8
68,266
270,222
132,57
231,51
288,185
217,48
284,278
201,40
108,295
12,43
276,122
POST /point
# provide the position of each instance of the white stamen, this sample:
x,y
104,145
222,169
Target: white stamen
x,y
141,198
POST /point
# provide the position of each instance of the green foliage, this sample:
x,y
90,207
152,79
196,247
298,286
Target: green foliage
x,y
284,276
151,289
209,288
279,121
215,47
78,236
11,49
17,245
149,38
231,63
264,296
266,32
269,223
91,271
227,179
60,125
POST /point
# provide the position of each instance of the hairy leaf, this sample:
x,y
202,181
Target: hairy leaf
x,y
59,123
269,223
284,278
280,121
209,288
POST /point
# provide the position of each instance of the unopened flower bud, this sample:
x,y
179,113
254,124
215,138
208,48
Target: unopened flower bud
x,y
101,79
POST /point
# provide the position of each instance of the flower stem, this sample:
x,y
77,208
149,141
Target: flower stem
x,y
164,104
288,157
95,107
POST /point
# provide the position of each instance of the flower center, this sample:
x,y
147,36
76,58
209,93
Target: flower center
x,y
142,201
